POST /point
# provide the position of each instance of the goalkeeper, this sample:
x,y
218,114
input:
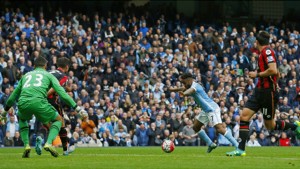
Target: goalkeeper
x,y
31,93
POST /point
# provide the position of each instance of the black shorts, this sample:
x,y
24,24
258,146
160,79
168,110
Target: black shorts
x,y
264,99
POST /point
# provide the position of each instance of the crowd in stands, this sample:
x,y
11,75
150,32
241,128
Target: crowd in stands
x,y
122,69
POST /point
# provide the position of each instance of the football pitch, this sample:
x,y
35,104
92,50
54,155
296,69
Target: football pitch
x,y
154,158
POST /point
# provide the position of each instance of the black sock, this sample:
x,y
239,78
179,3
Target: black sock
x,y
244,134
282,125
63,137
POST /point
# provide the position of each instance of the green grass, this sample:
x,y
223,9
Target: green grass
x,y
154,158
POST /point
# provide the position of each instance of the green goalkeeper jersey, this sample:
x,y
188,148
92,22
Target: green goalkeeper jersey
x,y
35,85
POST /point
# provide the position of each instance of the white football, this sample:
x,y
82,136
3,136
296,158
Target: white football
x,y
168,146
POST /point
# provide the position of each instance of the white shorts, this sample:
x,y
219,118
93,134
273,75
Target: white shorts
x,y
213,117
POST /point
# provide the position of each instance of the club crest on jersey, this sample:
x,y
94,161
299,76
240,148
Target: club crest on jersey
x,y
268,51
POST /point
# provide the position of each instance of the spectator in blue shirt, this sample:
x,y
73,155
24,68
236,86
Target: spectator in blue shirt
x,y
262,140
145,44
27,30
144,29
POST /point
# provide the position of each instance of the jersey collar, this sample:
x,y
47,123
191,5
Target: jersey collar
x,y
39,68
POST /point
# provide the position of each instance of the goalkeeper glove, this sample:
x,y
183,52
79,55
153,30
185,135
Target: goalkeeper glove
x,y
81,111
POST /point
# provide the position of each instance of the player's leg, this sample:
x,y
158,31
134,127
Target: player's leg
x,y
202,134
217,122
38,145
54,129
200,120
24,130
243,133
46,114
251,106
223,130
197,125
39,140
63,132
53,132
64,139
244,126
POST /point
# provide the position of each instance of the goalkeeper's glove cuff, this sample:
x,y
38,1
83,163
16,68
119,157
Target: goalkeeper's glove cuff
x,y
77,109
81,111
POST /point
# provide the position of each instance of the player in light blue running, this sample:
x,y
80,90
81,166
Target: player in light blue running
x,y
210,110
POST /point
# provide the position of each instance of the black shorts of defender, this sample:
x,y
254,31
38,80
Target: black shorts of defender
x,y
265,100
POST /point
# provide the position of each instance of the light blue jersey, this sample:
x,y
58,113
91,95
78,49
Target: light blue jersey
x,y
202,99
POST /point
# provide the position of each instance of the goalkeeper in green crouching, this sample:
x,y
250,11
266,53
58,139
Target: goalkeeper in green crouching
x,y
31,93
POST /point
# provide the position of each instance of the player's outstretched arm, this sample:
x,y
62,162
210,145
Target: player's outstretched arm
x,y
187,92
13,97
176,89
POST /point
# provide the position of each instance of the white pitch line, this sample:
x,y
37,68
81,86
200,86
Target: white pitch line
x,y
167,155
201,156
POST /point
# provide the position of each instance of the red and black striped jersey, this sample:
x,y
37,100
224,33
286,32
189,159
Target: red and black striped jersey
x,y
60,76
266,56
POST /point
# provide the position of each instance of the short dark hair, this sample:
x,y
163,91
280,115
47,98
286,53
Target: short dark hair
x,y
63,62
263,38
40,62
186,76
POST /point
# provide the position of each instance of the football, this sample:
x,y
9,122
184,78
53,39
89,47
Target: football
x,y
168,146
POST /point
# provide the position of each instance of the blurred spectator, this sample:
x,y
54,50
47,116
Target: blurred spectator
x,y
262,140
128,140
121,133
12,126
142,135
85,139
178,123
284,107
152,134
94,142
253,142
11,72
103,126
106,139
88,126
178,138
17,140
117,141
258,123
8,141
284,140
284,67
189,134
159,121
